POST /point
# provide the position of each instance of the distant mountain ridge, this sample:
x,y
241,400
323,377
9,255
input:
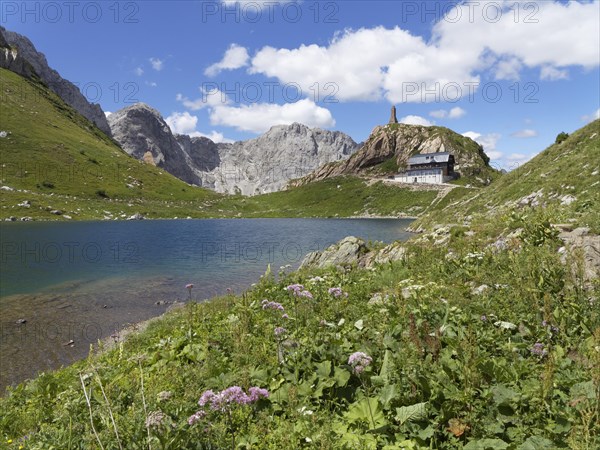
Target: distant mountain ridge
x,y
261,165
19,55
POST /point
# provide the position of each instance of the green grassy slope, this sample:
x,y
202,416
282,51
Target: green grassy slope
x,y
335,197
566,175
51,152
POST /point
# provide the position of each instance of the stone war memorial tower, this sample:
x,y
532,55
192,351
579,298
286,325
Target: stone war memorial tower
x,y
393,118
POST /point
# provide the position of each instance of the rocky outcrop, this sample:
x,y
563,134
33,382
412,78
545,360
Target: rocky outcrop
x,y
140,129
257,166
581,241
19,55
353,251
398,142
267,163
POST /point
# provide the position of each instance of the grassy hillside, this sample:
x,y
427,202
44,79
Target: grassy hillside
x,y
334,197
62,160
563,181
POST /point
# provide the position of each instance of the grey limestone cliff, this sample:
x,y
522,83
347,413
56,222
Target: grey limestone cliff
x,y
140,129
264,164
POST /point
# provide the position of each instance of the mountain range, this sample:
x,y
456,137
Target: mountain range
x,y
256,166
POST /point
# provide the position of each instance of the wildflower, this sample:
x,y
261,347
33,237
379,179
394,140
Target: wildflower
x,y
257,393
285,316
279,331
198,415
305,293
295,288
266,304
206,397
224,400
484,318
538,349
359,362
189,286
337,292
155,419
316,280
234,394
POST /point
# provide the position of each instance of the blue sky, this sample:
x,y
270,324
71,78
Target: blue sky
x,y
509,74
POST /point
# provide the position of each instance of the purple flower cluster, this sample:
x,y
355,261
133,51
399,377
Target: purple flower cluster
x,y
279,331
337,292
538,349
266,304
359,362
225,399
299,291
198,415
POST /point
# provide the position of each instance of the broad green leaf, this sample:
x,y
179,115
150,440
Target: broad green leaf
x,y
386,367
323,369
503,395
387,394
367,410
537,443
486,444
341,376
409,413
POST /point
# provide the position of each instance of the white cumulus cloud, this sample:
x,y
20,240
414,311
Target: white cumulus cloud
x,y
456,113
552,73
139,71
259,117
235,57
182,122
488,142
185,123
415,120
401,67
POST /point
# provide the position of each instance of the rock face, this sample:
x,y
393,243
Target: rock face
x,y
19,55
257,166
588,245
140,129
398,142
267,163
353,251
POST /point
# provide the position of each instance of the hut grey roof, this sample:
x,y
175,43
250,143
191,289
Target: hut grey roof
x,y
428,158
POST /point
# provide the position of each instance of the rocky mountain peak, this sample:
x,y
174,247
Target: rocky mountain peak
x,y
394,143
263,164
140,129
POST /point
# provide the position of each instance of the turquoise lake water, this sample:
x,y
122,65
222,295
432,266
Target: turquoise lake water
x,y
82,281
